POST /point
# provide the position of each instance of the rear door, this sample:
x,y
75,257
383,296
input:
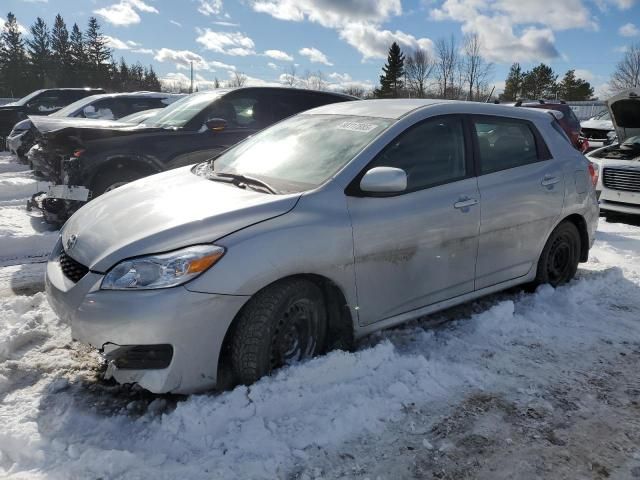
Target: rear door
x,y
522,194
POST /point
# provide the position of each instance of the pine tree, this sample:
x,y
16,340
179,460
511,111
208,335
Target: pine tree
x,y
513,84
391,83
13,60
79,61
39,49
540,83
572,88
151,80
61,53
98,55
125,76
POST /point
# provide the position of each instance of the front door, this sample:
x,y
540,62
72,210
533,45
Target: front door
x,y
522,192
419,247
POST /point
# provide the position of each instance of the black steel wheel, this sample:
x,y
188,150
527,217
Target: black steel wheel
x,y
281,325
559,260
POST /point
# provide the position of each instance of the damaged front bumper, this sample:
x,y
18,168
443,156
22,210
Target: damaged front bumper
x,y
59,202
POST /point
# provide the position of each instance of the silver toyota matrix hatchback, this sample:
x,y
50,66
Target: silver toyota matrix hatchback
x,y
327,226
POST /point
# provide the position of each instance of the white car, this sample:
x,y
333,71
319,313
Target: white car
x,y
598,130
619,165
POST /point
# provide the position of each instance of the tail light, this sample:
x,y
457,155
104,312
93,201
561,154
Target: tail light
x,y
594,172
77,153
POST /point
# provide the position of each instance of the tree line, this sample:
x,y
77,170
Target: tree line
x,y
542,82
50,58
452,71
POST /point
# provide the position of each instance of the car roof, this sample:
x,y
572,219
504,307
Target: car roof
x,y
226,90
397,108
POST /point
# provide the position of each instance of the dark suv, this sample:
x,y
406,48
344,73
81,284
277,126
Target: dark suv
x,y
40,102
568,121
87,159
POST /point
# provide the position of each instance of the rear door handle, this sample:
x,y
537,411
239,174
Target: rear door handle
x,y
549,180
465,203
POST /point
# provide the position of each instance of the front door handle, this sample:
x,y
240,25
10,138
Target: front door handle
x,y
549,180
465,203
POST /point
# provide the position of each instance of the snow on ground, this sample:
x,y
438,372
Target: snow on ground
x,y
24,237
504,378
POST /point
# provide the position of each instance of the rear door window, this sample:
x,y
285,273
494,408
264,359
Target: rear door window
x,y
504,143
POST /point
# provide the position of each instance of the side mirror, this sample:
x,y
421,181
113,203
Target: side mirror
x,y
384,180
216,124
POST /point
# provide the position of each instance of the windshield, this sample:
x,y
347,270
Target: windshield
x,y
24,100
301,152
604,115
179,113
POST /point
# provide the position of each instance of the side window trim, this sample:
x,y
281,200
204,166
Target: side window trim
x,y
353,189
542,151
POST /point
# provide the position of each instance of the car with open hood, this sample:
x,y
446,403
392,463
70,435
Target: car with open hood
x,y
86,159
325,227
598,131
106,106
619,164
40,102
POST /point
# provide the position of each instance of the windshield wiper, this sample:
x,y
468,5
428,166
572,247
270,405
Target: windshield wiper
x,y
243,181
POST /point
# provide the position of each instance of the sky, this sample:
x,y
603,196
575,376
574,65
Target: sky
x,y
347,40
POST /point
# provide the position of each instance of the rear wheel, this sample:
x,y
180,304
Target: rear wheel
x,y
559,259
281,325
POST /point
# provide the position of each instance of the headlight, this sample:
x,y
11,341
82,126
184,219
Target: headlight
x,y
162,271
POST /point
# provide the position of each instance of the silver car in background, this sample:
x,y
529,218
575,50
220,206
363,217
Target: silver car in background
x,y
327,226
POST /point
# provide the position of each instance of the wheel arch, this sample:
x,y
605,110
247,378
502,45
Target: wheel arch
x,y
340,330
581,224
123,162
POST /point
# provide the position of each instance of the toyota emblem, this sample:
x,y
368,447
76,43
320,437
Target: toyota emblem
x,y
71,241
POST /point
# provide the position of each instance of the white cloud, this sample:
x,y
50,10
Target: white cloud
x,y
358,21
229,43
330,13
373,42
177,24
183,58
620,4
210,7
226,24
629,30
124,13
118,44
279,55
587,75
314,55
146,51
272,65
495,22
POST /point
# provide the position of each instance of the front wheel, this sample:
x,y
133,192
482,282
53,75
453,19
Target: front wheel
x,y
107,181
283,324
559,259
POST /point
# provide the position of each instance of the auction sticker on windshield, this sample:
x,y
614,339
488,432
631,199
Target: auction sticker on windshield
x,y
356,126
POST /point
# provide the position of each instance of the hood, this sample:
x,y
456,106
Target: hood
x,y
625,113
56,129
597,124
164,212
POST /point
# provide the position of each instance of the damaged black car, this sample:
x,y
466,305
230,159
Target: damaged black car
x,y
86,160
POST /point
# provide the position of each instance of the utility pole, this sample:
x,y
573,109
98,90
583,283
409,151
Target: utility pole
x,y
191,86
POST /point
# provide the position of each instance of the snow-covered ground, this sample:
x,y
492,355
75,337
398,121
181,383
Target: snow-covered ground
x,y
516,385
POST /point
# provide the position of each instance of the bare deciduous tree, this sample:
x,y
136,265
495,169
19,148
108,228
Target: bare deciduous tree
x,y
475,69
314,80
627,72
289,77
418,69
355,91
446,66
239,79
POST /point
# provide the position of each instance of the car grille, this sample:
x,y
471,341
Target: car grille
x,y
594,134
621,179
73,270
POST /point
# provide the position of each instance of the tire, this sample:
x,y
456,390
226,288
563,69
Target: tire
x,y
559,259
106,181
283,324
